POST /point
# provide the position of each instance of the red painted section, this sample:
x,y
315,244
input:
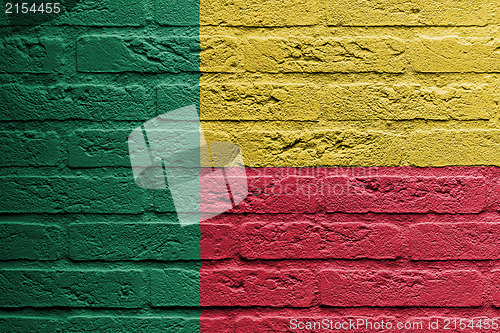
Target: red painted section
x,y
405,244
380,190
309,240
453,241
242,287
457,288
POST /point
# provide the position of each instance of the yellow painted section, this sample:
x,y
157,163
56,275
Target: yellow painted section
x,y
454,147
456,54
407,101
259,13
407,13
353,83
260,101
324,54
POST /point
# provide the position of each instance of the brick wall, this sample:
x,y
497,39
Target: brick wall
x,y
391,105
408,245
404,94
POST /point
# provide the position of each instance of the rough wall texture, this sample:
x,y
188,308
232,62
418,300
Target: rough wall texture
x,y
82,248
391,105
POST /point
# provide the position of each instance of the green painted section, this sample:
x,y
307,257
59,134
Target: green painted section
x,y
82,247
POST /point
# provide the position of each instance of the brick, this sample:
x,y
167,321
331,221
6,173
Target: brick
x,y
175,287
264,324
273,13
238,287
367,101
475,147
451,288
175,96
32,55
454,54
162,202
134,241
262,148
288,195
211,136
77,101
304,240
297,322
495,287
400,194
98,148
14,324
105,13
222,54
217,241
324,54
260,101
72,288
177,13
31,241
115,54
70,195
150,324
219,324
30,148
453,241
407,13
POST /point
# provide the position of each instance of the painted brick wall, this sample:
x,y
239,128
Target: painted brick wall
x,y
369,128
82,248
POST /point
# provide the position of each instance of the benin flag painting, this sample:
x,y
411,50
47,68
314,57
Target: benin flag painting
x,y
349,154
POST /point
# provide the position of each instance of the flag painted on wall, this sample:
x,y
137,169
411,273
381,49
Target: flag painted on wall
x,y
363,134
